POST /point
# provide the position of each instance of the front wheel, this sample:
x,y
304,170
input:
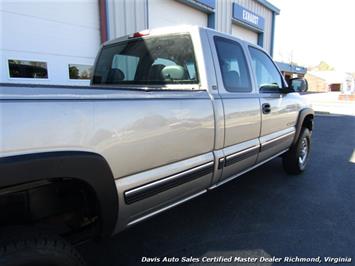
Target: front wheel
x,y
295,160
28,247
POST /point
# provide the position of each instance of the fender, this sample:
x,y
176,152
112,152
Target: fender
x,y
302,114
89,167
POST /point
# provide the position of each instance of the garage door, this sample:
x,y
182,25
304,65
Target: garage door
x,y
164,13
245,34
51,37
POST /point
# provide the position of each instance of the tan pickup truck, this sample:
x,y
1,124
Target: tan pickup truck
x,y
170,114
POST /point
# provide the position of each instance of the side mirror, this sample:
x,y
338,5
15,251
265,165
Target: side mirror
x,y
298,84
269,88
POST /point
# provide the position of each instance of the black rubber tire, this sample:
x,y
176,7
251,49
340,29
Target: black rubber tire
x,y
290,160
27,247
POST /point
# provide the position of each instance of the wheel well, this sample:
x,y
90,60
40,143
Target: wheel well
x,y
67,206
308,122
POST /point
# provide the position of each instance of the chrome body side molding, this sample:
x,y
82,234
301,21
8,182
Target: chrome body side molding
x,y
167,183
245,171
166,208
241,155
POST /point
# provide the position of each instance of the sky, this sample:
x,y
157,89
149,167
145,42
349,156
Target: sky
x,y
308,31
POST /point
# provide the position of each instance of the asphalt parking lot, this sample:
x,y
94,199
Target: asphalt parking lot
x,y
264,213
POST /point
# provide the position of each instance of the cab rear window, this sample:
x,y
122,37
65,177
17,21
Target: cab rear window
x,y
151,60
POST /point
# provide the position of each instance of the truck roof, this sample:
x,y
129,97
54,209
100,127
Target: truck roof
x,y
174,29
159,31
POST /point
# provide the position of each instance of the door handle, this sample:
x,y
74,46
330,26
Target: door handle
x,y
266,108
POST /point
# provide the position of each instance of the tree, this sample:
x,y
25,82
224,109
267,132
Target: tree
x,y
85,75
323,66
73,72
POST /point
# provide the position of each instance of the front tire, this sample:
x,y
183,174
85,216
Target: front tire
x,y
25,247
296,159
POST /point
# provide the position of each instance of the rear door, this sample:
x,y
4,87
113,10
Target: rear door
x,y
279,110
241,105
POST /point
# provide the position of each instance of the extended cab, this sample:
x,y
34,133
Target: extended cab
x,y
170,114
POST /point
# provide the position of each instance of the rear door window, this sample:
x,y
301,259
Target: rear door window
x,y
151,60
233,65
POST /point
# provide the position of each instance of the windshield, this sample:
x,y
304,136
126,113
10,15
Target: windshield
x,y
152,60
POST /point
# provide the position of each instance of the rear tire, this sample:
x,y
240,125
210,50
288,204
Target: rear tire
x,y
25,247
296,159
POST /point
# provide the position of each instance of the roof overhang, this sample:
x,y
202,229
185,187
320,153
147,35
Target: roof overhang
x,y
270,6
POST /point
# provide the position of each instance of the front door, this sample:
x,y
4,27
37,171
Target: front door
x,y
279,110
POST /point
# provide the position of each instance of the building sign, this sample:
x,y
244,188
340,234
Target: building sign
x,y
247,17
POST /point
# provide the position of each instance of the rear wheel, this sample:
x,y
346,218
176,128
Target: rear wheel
x,y
296,159
25,247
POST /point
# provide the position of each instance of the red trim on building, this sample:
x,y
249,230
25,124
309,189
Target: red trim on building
x,y
103,20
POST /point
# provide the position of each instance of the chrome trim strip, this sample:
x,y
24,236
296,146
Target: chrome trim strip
x,y
166,208
166,183
239,153
247,170
277,139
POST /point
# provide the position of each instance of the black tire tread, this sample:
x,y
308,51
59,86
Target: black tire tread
x,y
290,159
14,241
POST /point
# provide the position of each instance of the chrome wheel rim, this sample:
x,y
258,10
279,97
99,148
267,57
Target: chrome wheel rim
x,y
302,158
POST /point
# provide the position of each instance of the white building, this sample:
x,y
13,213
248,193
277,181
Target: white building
x,y
55,42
